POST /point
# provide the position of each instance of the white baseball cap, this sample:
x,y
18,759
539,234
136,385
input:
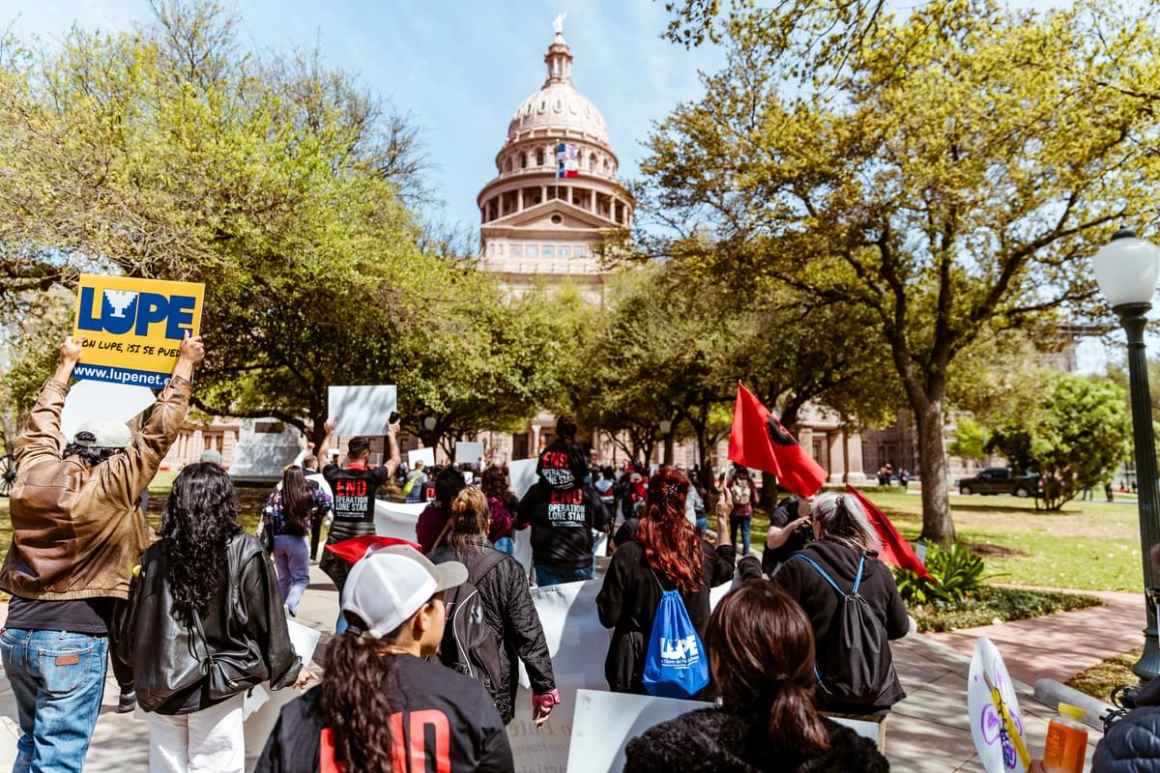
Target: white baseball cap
x,y
389,585
103,433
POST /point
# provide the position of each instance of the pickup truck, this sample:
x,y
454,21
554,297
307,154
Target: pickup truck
x,y
999,480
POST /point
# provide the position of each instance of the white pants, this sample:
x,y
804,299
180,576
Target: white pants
x,y
208,741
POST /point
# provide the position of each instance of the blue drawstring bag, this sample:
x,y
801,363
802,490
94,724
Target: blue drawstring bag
x,y
675,665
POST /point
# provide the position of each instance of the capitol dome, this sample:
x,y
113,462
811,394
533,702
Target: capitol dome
x,y
558,107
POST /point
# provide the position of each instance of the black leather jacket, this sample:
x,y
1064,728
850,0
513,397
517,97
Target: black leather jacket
x,y
243,642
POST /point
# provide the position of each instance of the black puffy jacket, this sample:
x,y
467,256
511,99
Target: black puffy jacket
x,y
512,616
244,630
1132,745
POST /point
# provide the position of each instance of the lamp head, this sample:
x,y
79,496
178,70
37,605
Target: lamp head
x,y
1126,269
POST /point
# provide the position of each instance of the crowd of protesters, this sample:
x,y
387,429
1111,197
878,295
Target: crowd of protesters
x,y
424,665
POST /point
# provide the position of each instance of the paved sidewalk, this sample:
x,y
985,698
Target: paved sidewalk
x,y
1061,645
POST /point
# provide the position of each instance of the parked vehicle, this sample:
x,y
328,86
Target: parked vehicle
x,y
999,480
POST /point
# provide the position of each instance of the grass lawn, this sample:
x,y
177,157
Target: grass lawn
x,y
1087,546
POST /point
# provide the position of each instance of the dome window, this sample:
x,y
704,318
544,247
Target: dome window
x,y
559,105
543,106
540,157
556,220
507,167
523,160
592,162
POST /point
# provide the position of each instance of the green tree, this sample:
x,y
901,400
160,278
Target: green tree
x,y
970,439
947,178
1076,436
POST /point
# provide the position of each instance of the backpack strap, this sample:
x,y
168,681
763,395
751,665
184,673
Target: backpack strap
x,y
858,577
825,575
489,561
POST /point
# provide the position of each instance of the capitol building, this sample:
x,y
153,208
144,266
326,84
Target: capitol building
x,y
555,196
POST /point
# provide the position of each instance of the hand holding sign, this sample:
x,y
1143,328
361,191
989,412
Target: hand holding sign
x,y
70,351
192,349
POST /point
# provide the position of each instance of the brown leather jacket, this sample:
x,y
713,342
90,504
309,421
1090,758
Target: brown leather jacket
x,y
77,531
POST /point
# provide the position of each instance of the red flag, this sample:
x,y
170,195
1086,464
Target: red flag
x,y
758,440
895,550
353,550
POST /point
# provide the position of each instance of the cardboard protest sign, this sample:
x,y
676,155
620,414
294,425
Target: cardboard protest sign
x,y
102,400
131,329
360,410
522,473
993,711
424,455
468,453
262,707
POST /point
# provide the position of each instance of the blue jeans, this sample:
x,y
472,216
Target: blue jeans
x,y
736,522
292,560
58,680
550,575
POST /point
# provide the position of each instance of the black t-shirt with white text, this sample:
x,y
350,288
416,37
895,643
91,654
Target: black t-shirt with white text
x,y
354,489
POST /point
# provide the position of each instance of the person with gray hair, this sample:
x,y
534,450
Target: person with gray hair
x,y
853,604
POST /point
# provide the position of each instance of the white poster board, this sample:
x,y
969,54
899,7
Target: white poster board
x,y
522,473
604,723
424,455
262,707
993,743
523,548
397,519
360,410
104,401
468,453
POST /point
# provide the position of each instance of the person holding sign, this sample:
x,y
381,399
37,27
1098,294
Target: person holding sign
x,y
355,486
761,647
77,531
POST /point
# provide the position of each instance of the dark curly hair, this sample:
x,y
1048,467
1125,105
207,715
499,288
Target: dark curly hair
x,y
355,701
200,520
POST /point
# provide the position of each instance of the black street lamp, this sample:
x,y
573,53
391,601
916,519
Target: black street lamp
x,y
1126,270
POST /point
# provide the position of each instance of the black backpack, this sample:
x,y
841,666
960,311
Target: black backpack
x,y
469,645
861,666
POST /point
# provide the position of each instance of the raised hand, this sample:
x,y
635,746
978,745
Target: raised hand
x,y
71,351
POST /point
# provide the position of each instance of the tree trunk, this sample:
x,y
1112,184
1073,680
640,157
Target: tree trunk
x,y
937,525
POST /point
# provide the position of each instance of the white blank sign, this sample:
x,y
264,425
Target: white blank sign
x,y
424,455
360,410
468,453
522,473
102,400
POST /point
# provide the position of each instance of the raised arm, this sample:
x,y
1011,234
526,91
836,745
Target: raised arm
x,y
396,458
324,446
42,437
126,475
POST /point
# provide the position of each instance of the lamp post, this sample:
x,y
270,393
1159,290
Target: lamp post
x,y
666,428
1126,269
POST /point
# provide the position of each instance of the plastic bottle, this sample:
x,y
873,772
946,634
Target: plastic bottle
x,y
1066,741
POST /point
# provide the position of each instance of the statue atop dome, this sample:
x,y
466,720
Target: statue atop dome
x,y
558,24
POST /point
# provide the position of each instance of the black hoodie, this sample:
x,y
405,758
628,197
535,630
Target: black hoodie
x,y
820,602
562,510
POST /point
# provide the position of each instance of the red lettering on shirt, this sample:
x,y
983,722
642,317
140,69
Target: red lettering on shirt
x,y
423,722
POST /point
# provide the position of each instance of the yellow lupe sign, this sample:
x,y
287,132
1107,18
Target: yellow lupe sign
x,y
131,329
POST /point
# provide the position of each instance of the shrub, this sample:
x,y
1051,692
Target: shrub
x,y
957,572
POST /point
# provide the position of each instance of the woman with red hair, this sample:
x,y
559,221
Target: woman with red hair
x,y
665,554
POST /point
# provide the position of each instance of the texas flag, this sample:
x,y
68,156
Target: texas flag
x,y
759,441
567,160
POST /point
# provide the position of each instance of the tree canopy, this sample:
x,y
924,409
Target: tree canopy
x,y
948,180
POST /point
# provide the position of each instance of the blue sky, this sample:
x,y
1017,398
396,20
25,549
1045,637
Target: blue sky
x,y
460,68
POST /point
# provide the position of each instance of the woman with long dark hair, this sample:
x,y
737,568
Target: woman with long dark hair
x,y
514,631
502,505
383,705
665,554
203,626
286,523
761,651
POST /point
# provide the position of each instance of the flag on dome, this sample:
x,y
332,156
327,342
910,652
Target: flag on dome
x,y
567,160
